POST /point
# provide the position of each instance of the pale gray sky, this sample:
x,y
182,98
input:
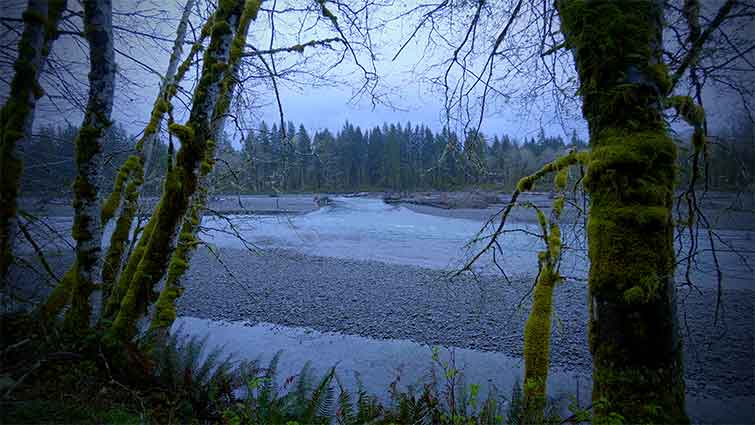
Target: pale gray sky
x,y
405,83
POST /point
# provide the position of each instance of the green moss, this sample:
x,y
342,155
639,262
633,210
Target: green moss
x,y
17,110
686,107
165,311
132,166
560,164
124,279
185,133
88,145
537,333
220,28
114,257
554,241
630,178
660,74
180,186
558,205
251,9
58,298
597,33
327,13
205,168
634,295
561,178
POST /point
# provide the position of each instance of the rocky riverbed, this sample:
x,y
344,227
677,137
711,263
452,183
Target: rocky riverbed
x,y
380,300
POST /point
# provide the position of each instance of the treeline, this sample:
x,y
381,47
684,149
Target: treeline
x,y
49,167
391,157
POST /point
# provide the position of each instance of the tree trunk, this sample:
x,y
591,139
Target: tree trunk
x,y
165,309
181,181
40,31
87,230
133,171
634,340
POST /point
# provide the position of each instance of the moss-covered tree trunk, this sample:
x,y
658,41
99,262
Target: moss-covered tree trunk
x,y
144,271
129,181
165,309
87,230
636,349
17,116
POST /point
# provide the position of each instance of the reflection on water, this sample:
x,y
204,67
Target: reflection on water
x,y
369,229
378,362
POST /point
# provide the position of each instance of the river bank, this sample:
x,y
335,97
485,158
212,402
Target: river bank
x,y
724,210
385,301
391,301
319,271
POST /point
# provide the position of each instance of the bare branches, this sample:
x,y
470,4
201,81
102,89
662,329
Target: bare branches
x,y
697,45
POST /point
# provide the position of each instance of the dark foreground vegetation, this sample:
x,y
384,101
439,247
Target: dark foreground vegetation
x,y
49,376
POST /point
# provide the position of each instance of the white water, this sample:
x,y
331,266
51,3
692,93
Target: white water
x,y
369,229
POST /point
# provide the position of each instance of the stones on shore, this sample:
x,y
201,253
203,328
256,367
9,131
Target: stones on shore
x,y
322,200
388,301
445,200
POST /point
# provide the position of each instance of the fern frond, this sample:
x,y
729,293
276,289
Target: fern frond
x,y
345,413
268,391
320,404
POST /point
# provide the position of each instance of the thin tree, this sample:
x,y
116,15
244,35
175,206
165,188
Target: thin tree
x,y
149,260
87,230
17,116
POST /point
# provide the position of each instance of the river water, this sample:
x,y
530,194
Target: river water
x,y
369,229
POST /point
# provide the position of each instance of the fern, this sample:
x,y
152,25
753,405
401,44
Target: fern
x,y
345,413
205,382
320,403
368,408
268,391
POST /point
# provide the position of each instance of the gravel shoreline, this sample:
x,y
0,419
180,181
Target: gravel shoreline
x,y
388,301
381,300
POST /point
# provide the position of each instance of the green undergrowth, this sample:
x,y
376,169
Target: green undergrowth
x,y
47,376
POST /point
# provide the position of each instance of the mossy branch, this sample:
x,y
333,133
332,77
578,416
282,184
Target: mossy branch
x,y
296,48
537,330
525,184
131,174
188,239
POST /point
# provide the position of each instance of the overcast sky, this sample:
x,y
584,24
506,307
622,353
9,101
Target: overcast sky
x,y
403,83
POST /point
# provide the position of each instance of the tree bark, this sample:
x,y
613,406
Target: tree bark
x,y
181,181
130,176
40,31
634,340
165,309
87,230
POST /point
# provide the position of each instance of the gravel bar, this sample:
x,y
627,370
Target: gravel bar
x,y
388,301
